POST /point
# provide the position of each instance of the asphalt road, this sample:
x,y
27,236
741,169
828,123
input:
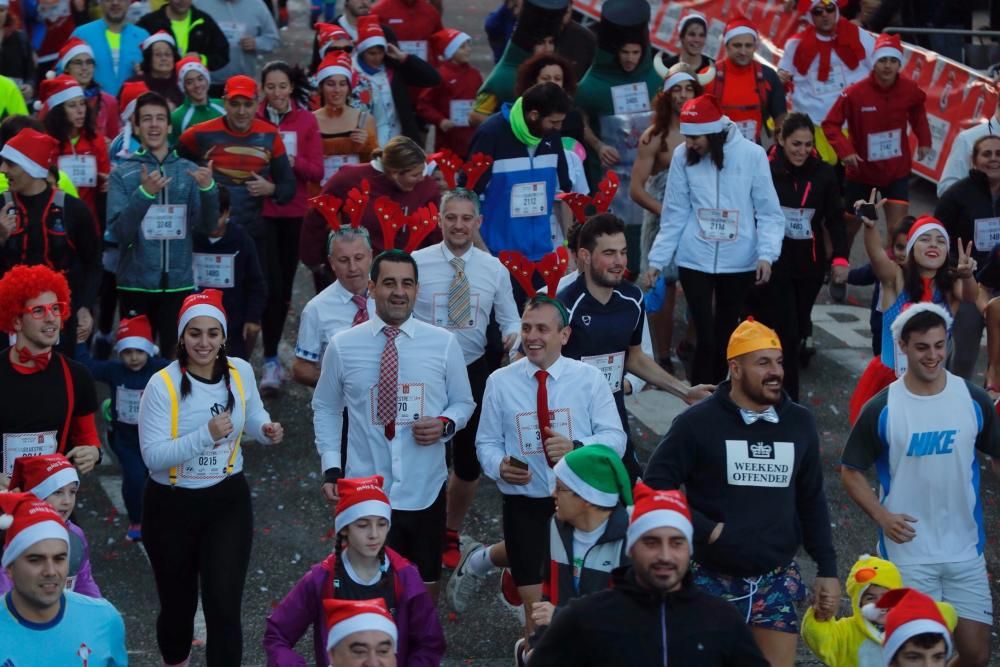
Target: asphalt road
x,y
293,527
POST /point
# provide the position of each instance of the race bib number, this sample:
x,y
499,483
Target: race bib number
x,y
798,223
409,403
414,47
26,444
81,169
748,128
528,200
233,30
211,464
165,222
291,141
127,404
987,233
834,84
441,318
768,464
630,98
459,111
218,271
529,438
332,163
885,145
611,365
719,224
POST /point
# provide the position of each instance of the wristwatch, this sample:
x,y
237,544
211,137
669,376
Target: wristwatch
x,y
449,427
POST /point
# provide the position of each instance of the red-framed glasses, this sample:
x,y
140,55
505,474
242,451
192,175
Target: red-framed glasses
x,y
58,309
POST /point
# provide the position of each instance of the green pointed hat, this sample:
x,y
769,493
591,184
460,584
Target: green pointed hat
x,y
596,474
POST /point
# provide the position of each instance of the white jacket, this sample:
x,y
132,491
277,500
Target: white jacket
x,y
744,185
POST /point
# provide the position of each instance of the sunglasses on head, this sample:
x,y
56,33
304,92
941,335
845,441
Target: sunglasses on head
x,y
824,9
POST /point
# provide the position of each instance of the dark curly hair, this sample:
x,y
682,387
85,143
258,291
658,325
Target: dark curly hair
x,y
24,283
663,110
58,127
528,71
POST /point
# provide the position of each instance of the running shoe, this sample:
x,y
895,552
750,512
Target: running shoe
x,y
134,532
452,550
271,377
463,583
509,596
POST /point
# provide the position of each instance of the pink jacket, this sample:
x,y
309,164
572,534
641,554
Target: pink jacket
x,y
308,154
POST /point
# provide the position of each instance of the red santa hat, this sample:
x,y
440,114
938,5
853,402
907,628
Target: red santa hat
x,y
658,509
910,613
159,36
346,617
27,521
360,497
32,151
71,49
130,93
335,63
888,46
207,303
57,90
135,333
922,225
327,34
738,26
370,33
702,115
448,41
190,64
42,475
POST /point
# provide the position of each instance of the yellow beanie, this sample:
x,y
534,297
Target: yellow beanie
x,y
751,336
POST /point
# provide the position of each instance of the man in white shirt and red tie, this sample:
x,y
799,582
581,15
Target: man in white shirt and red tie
x,y
534,412
459,286
406,391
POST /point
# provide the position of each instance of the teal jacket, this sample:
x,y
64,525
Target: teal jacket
x,y
129,53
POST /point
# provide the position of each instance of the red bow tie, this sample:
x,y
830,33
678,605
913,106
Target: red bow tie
x,y
26,356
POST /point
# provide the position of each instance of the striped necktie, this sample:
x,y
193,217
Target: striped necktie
x,y
362,314
459,304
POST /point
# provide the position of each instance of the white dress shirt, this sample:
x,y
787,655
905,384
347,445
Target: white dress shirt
x,y
582,406
433,382
489,287
325,315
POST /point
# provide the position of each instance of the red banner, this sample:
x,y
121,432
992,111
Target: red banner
x,y
957,97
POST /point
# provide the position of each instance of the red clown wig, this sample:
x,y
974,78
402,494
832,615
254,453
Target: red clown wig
x,y
24,283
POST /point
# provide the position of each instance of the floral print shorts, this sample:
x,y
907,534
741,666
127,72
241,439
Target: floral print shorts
x,y
767,601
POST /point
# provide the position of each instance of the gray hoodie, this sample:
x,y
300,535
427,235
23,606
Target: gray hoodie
x,y
150,264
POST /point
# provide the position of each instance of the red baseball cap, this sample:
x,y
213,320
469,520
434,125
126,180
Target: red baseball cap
x,y
241,86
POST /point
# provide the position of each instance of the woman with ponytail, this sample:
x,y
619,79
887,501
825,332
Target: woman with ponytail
x,y
197,518
361,567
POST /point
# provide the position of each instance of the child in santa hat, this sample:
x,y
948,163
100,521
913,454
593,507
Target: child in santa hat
x,y
361,567
126,376
918,630
448,105
53,478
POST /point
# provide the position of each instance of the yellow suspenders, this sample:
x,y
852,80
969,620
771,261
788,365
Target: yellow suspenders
x,y
175,408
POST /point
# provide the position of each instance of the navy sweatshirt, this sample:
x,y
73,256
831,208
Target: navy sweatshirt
x,y
764,481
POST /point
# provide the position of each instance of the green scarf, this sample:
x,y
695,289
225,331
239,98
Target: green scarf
x,y
520,127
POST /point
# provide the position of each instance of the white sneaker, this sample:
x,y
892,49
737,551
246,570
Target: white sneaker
x,y
271,377
464,583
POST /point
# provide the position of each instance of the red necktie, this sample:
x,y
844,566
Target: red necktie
x,y
542,410
362,315
388,381
26,356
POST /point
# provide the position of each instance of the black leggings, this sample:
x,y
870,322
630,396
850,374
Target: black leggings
x,y
278,252
161,308
199,537
713,326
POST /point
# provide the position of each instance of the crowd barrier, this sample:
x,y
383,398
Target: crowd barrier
x,y
957,97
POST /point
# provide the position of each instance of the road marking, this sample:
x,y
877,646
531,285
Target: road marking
x,y
844,323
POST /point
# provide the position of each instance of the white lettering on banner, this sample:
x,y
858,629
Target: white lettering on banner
x,y
713,41
748,128
291,141
233,30
414,47
719,224
127,404
439,312
939,133
458,112
768,464
798,223
630,98
612,366
165,222
331,163
987,233
529,438
81,169
216,271
26,444
409,403
885,145
528,200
